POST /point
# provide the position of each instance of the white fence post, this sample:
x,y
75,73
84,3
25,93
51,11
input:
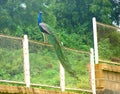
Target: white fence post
x,y
95,39
26,61
62,78
92,73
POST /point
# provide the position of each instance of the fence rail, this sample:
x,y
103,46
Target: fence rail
x,y
109,62
26,66
47,86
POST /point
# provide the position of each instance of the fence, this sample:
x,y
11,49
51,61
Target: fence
x,y
107,41
107,49
41,66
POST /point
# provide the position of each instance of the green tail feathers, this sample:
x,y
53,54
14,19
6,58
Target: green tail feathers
x,y
58,49
64,61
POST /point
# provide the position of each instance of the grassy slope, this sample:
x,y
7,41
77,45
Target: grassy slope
x,y
44,66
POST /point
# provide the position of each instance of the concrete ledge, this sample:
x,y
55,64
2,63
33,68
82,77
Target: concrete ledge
x,y
24,90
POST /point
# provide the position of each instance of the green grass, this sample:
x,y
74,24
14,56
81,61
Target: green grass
x,y
44,66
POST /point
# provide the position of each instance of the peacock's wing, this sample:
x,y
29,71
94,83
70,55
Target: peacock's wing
x,y
44,28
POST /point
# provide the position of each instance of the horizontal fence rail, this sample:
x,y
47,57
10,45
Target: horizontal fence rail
x,y
69,49
47,86
109,62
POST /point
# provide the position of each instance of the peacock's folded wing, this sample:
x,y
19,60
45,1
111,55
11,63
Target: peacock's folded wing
x,y
44,28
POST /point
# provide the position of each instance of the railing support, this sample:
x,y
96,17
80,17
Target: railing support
x,y
62,78
26,61
95,39
92,73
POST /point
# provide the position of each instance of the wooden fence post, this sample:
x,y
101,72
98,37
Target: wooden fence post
x,y
26,61
62,78
92,73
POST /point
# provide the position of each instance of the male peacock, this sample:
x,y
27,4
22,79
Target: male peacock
x,y
56,44
42,26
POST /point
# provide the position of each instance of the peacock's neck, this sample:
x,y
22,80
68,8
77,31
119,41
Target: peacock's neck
x,y
39,19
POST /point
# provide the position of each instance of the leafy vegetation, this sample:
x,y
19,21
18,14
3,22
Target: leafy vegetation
x,y
72,21
109,42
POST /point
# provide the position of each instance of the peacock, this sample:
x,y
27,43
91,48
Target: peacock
x,y
46,29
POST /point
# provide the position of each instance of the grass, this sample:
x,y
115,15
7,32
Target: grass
x,y
44,66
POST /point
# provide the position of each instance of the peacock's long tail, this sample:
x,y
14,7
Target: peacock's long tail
x,y
64,61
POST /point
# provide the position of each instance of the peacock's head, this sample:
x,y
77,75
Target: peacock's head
x,y
40,12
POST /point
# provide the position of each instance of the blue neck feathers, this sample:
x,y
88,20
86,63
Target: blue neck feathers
x,y
39,18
